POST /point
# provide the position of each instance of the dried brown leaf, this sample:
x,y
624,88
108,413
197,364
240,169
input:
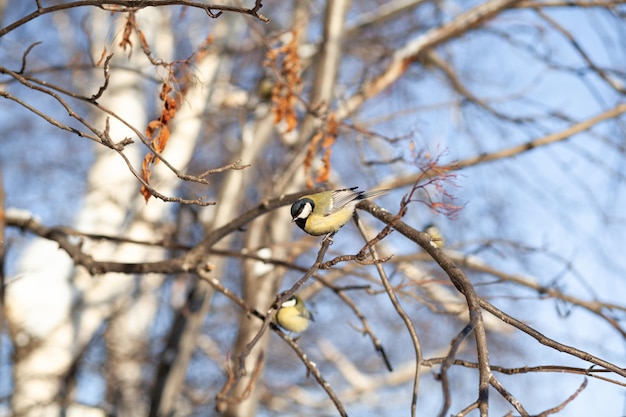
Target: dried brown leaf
x,y
102,57
284,95
145,175
128,31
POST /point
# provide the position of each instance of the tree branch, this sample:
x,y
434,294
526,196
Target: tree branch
x,y
519,149
460,281
130,5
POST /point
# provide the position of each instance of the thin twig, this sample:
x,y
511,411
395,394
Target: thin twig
x,y
589,372
508,396
544,340
192,260
315,372
513,151
206,276
132,5
447,362
561,406
30,48
278,302
106,68
398,307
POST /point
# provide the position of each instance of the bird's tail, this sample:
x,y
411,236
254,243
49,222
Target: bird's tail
x,y
372,194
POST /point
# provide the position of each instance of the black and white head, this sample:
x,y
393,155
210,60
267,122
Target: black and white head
x,y
302,209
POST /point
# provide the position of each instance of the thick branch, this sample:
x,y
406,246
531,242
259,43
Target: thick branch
x,y
185,263
463,23
460,281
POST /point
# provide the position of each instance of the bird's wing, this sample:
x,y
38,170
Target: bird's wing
x,y
342,197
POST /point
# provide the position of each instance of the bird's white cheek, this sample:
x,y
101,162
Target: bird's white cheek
x,y
306,211
289,303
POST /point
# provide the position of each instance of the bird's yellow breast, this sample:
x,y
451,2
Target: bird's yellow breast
x,y
292,320
317,224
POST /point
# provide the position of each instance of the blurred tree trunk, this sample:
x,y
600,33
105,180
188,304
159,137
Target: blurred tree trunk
x,y
55,310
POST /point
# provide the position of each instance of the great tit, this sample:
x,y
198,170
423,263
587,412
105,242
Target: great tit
x,y
326,212
293,315
435,235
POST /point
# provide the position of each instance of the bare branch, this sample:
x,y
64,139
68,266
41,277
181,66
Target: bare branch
x,y
589,372
131,5
30,48
411,51
508,396
595,307
417,346
460,281
107,75
550,342
311,367
618,86
280,299
447,362
583,126
188,262
235,165
564,404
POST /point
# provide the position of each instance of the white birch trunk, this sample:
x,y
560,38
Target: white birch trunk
x,y
54,310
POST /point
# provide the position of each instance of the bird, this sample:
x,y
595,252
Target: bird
x,y
326,212
293,315
435,235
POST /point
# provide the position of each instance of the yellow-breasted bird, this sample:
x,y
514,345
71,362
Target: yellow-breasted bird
x,y
326,212
293,315
435,235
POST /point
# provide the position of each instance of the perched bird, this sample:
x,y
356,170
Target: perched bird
x,y
326,212
435,235
293,315
265,88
